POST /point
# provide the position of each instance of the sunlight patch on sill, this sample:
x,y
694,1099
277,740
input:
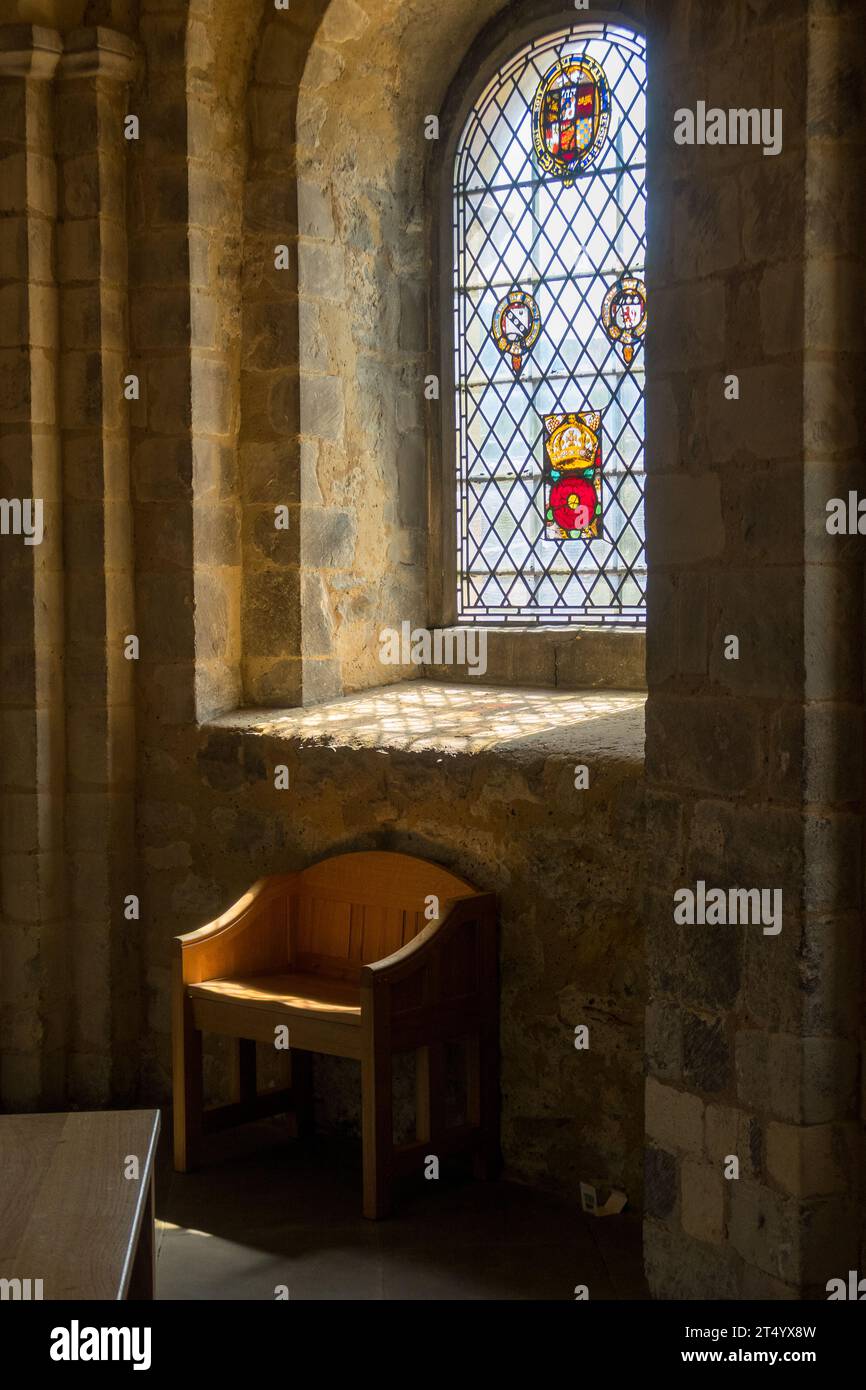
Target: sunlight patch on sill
x,y
419,715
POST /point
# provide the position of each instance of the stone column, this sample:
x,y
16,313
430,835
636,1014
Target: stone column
x,y
32,907
166,254
817,1155
93,75
754,762
287,630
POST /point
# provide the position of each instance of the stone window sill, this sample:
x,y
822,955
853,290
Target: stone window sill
x,y
422,716
555,658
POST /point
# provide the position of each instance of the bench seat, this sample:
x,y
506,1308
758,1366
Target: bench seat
x,y
307,996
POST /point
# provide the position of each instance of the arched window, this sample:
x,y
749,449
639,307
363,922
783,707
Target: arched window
x,y
549,314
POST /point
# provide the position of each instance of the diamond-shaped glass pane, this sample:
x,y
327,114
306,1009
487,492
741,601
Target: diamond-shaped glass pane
x,y
519,230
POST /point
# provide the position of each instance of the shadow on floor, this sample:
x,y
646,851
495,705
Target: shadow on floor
x,y
265,1211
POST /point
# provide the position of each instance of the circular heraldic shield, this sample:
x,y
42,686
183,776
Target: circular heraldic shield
x,y
570,117
516,326
623,315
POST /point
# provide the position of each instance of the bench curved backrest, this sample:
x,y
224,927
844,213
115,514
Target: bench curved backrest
x,y
332,918
354,909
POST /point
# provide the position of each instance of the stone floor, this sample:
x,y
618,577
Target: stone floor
x,y
276,1212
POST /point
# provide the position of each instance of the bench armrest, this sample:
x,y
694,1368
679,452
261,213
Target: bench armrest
x,y
253,935
419,952
443,984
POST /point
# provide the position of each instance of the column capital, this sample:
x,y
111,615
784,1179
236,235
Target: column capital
x,y
29,51
98,52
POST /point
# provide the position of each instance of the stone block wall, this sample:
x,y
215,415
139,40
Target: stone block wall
x,y
752,1039
828,1157
166,259
282,610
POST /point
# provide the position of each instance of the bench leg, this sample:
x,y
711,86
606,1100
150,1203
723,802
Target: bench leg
x,y
482,1078
187,1089
302,1093
377,1134
247,1088
430,1093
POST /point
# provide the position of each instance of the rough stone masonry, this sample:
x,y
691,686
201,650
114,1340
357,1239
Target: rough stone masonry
x,y
153,259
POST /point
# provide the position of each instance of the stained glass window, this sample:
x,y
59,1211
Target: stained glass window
x,y
549,317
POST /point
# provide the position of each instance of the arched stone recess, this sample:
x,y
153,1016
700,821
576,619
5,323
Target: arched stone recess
x,y
336,347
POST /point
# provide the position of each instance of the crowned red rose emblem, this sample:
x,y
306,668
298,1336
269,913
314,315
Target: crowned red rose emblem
x,y
566,497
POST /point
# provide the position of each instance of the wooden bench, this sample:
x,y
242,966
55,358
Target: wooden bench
x,y
343,955
71,1215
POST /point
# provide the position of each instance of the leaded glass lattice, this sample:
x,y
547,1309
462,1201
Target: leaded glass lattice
x,y
564,240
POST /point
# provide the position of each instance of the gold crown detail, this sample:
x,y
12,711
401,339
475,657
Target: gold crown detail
x,y
572,443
